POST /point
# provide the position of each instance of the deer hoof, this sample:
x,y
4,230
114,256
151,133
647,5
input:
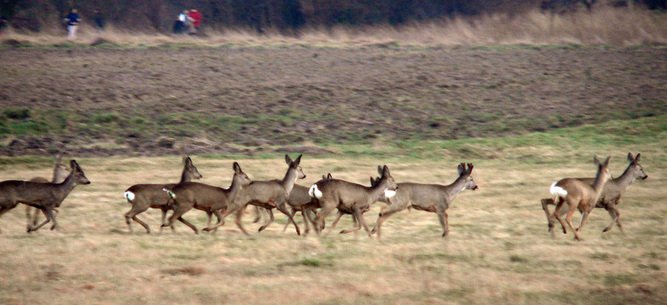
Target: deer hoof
x,y
261,229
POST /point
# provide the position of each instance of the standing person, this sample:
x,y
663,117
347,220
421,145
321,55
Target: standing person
x,y
3,24
72,19
196,17
99,20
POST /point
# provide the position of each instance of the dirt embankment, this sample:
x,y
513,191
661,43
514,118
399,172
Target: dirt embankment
x,y
247,100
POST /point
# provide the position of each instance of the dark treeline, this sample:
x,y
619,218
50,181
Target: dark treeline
x,y
282,15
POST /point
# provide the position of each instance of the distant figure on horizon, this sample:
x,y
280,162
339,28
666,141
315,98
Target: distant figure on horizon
x,y
72,20
99,21
3,24
195,18
181,23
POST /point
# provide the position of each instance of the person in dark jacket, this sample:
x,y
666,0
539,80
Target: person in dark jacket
x,y
72,20
99,20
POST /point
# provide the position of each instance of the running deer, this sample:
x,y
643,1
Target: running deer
x,y
580,195
44,196
210,199
269,195
351,197
434,198
611,194
60,172
144,196
300,201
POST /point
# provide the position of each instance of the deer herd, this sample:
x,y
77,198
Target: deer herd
x,y
315,202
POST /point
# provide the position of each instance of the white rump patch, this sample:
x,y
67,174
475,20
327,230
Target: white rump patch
x,y
129,196
171,194
557,190
389,193
314,192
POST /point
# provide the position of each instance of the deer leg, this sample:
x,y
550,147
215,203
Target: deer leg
x,y
357,224
584,217
381,219
305,222
164,219
218,224
335,222
35,216
48,213
360,218
258,214
132,214
615,218
268,221
239,214
281,207
324,212
187,223
568,219
557,214
550,220
179,210
28,217
292,212
442,217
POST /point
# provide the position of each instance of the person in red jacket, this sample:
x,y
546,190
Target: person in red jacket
x,y
196,17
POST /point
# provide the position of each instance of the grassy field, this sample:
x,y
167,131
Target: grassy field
x,y
498,250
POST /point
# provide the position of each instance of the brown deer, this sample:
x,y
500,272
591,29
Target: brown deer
x,y
60,172
211,199
44,196
580,195
611,194
144,196
269,195
434,198
300,201
352,197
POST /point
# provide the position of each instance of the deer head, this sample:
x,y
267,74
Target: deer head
x,y
78,174
191,168
636,170
240,176
465,173
295,165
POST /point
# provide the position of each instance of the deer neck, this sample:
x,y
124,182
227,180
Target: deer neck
x,y
289,180
234,189
185,175
376,191
625,179
456,187
598,184
65,187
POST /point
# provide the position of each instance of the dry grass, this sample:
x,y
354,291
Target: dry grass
x,y
498,250
621,27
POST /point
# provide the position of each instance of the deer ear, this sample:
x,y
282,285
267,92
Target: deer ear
x,y
470,167
73,165
385,171
460,169
606,161
596,161
329,176
288,160
298,160
630,157
380,170
236,167
637,157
